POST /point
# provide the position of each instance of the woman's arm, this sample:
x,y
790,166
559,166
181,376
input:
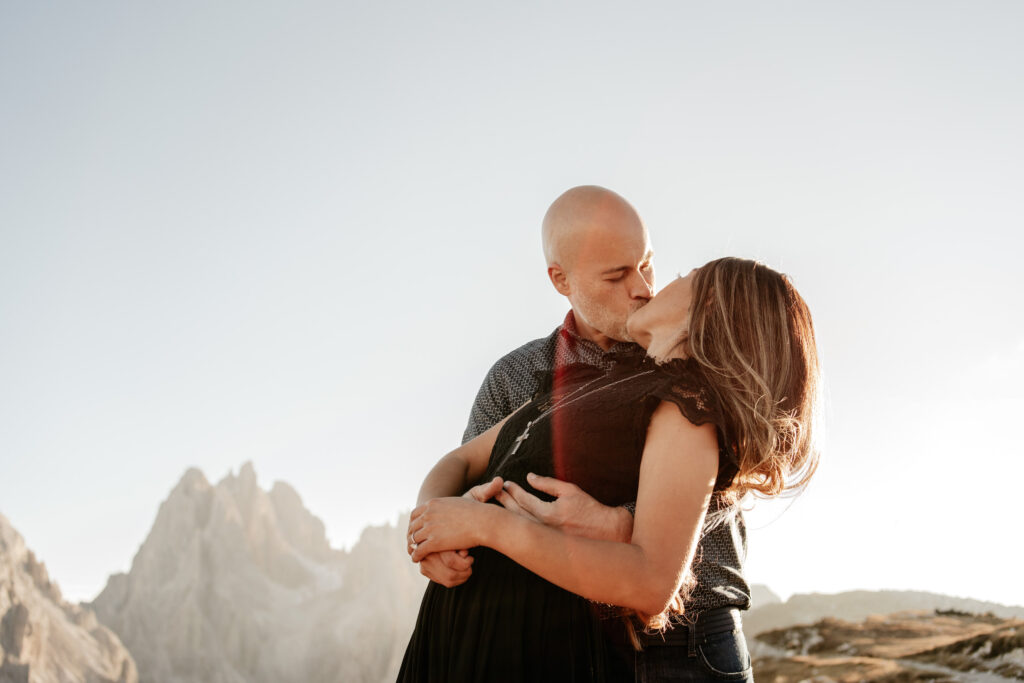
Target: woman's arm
x,y
677,476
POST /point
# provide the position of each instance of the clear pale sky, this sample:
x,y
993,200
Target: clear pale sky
x,y
300,233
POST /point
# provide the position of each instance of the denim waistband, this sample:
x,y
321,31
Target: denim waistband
x,y
720,620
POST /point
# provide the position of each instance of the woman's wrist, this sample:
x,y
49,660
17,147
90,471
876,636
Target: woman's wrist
x,y
500,529
622,524
488,524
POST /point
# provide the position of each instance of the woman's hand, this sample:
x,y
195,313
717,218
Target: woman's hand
x,y
447,524
453,567
481,493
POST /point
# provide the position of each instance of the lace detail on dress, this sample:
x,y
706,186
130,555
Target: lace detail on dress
x,y
685,386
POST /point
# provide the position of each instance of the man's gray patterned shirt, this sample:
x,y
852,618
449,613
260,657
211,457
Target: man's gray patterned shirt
x,y
512,381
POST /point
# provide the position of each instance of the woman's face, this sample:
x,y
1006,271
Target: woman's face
x,y
662,325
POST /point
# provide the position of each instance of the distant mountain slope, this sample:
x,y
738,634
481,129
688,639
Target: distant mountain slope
x,y
905,646
234,583
807,608
44,639
761,595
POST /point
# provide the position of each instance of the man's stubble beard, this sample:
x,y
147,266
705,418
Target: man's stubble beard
x,y
599,318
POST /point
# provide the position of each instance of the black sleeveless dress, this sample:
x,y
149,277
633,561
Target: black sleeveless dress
x,y
507,623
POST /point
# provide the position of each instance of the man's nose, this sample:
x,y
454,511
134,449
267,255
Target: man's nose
x,y
640,287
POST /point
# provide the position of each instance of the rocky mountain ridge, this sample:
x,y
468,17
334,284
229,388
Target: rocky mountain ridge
x,y
43,638
941,645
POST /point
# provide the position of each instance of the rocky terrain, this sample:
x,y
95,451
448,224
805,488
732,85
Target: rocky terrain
x,y
44,639
238,584
941,645
769,612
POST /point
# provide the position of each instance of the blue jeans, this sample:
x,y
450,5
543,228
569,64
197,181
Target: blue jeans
x,y
716,657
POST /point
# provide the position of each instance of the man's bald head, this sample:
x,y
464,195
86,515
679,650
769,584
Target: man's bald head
x,y
599,257
581,215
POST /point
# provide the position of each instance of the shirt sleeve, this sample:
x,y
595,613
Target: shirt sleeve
x,y
492,403
511,382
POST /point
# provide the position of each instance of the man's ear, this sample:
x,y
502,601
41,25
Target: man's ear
x,y
558,279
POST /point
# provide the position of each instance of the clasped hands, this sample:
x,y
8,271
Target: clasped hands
x,y
441,529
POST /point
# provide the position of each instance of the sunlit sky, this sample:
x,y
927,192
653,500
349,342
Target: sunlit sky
x,y
300,233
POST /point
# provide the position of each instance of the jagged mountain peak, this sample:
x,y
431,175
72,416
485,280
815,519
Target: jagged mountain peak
x,y
304,530
238,583
203,528
44,638
193,479
245,483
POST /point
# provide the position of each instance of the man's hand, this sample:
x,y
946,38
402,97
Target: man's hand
x,y
573,510
454,567
448,567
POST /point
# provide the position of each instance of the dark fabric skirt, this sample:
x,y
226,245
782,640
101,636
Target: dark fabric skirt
x,y
508,624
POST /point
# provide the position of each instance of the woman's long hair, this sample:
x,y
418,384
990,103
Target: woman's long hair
x,y
752,335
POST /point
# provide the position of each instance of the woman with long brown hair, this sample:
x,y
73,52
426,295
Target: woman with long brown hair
x,y
725,403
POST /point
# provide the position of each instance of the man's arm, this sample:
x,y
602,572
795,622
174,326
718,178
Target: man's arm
x,y
455,471
494,402
451,476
